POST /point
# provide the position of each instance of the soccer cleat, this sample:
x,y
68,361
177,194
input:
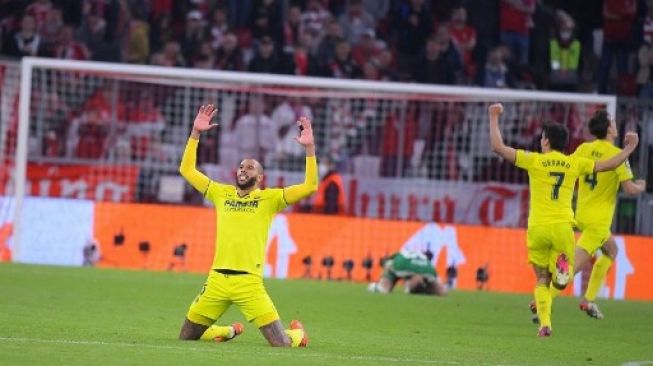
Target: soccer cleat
x,y
544,332
533,307
562,275
591,309
296,324
238,330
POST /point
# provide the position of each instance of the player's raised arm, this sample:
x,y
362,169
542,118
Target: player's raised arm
x,y
631,140
298,192
188,168
496,140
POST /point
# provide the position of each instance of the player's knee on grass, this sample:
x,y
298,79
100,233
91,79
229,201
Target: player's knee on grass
x,y
275,334
191,331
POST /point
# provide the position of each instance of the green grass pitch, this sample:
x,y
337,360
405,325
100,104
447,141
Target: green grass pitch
x,y
82,316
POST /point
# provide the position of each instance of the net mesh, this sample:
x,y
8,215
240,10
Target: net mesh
x,y
131,130
403,156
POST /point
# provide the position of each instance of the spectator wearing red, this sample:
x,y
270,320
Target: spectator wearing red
x,y
464,38
618,19
91,135
399,126
367,48
143,121
515,24
68,48
229,56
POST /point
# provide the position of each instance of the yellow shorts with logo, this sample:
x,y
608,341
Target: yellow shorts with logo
x,y
593,236
547,242
244,290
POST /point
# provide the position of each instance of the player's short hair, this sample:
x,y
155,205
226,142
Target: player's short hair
x,y
557,134
599,124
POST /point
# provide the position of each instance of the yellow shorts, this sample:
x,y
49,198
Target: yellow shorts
x,y
546,242
593,236
244,290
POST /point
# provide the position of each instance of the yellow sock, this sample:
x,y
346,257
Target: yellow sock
x,y
215,331
554,292
544,301
296,336
599,272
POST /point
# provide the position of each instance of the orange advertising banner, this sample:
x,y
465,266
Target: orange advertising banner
x,y
151,237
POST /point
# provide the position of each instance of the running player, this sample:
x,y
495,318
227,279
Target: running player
x,y
597,197
552,177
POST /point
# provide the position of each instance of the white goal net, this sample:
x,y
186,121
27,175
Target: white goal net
x,y
115,133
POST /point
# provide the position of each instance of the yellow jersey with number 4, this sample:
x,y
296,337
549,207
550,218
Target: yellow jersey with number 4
x,y
551,179
597,192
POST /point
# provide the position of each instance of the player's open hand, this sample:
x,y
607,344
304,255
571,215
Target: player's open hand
x,y
631,139
306,132
495,109
204,116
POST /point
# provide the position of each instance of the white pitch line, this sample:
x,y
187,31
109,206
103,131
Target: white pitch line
x,y
265,353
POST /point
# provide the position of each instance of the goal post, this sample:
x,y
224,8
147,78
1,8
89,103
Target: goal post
x,y
356,123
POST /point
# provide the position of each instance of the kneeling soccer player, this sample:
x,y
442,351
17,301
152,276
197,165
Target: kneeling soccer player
x,y
415,269
244,214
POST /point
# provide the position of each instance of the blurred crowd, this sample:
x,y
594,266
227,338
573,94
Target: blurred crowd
x,y
568,45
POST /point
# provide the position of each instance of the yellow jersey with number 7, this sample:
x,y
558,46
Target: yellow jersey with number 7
x,y
597,192
551,179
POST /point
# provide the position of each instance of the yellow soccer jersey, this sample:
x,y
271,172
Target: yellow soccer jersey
x,y
552,177
597,192
242,226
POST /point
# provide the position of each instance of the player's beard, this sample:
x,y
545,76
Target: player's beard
x,y
249,183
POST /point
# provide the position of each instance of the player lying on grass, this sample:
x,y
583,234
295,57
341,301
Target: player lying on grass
x,y
551,177
244,213
415,269
597,198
